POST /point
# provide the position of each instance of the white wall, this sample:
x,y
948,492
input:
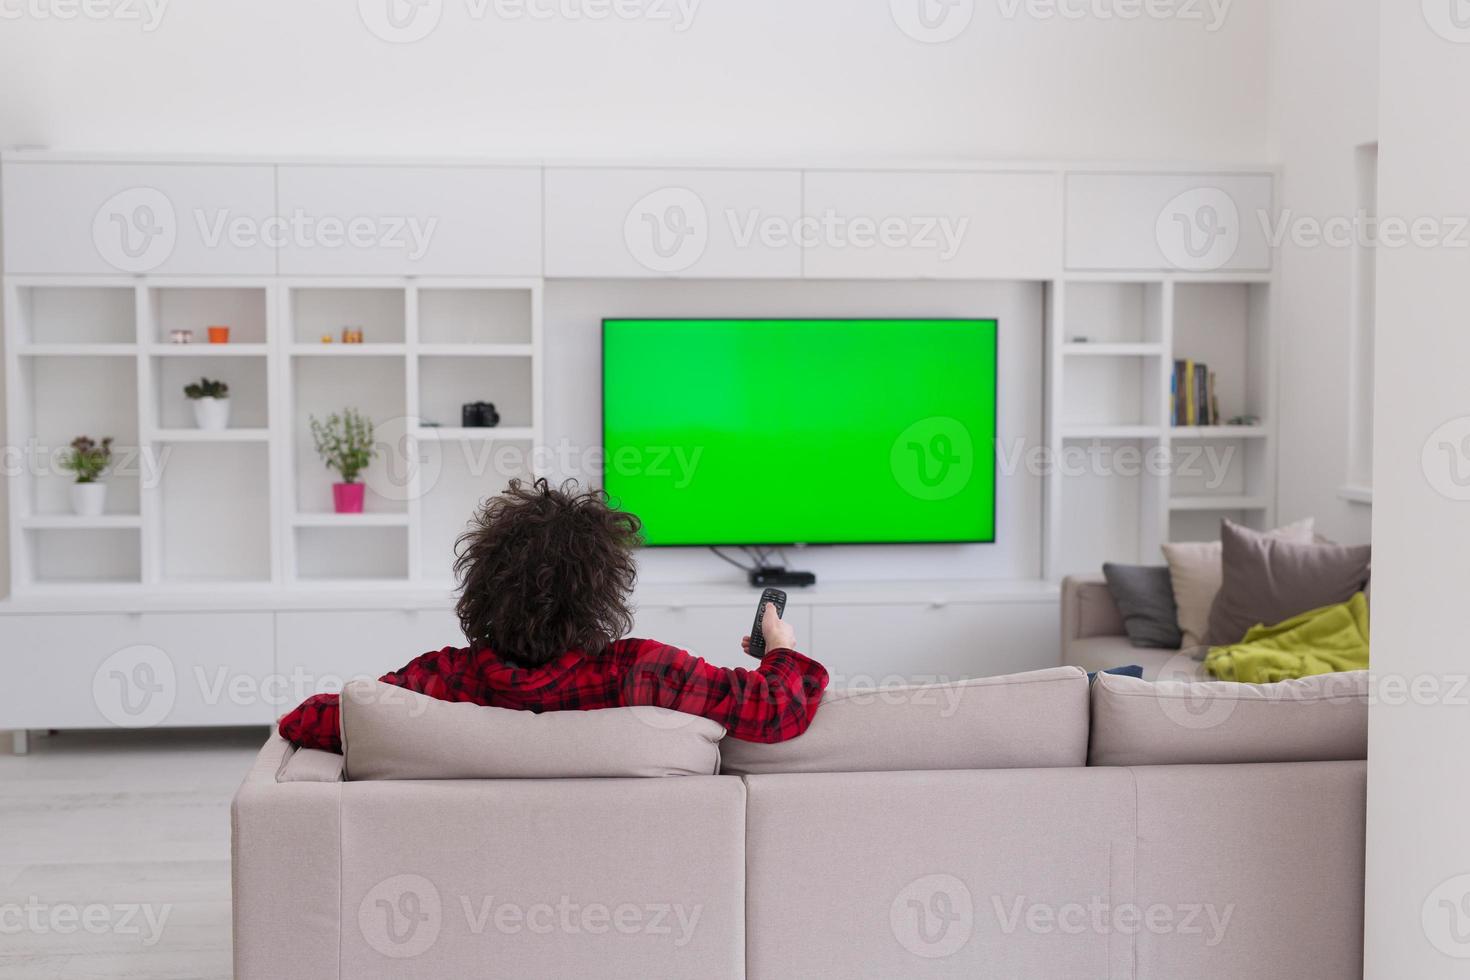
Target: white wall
x,y
747,79
573,324
1418,883
1325,103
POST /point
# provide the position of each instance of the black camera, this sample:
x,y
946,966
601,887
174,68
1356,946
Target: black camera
x,y
479,415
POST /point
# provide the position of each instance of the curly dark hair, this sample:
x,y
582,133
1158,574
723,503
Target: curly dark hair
x,y
543,570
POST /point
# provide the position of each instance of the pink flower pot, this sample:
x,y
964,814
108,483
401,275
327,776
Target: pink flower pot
x,y
347,497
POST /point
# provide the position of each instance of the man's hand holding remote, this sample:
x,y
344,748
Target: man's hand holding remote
x,y
778,633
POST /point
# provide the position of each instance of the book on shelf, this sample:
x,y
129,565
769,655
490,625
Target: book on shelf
x,y
1193,401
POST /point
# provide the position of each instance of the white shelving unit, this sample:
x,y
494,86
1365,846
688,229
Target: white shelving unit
x,y
1123,479
252,505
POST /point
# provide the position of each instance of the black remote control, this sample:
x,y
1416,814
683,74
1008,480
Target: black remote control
x,y
776,598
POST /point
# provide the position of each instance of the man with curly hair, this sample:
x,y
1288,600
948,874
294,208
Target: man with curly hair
x,y
545,578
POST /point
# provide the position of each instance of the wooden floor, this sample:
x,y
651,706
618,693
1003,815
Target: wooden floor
x,y
115,854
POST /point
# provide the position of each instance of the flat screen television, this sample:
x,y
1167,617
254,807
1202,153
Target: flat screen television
x,y
774,432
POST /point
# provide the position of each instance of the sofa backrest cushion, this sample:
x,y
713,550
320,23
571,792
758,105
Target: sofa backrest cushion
x,y
1167,723
1023,721
392,733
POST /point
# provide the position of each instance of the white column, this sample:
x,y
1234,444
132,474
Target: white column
x,y
1418,871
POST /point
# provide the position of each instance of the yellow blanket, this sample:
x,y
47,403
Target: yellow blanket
x,y
1323,641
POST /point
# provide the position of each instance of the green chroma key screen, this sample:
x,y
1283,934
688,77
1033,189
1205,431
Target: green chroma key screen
x,y
766,432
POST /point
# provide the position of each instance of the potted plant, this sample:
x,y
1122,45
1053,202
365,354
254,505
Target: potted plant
x,y
88,460
211,401
345,443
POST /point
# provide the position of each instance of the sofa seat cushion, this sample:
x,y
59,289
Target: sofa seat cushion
x,y
392,733
1163,723
1023,721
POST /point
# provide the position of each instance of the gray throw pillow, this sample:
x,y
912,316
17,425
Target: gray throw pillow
x,y
1268,580
1145,597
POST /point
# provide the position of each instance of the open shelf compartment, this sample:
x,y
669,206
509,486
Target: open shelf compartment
x,y
62,316
214,514
475,316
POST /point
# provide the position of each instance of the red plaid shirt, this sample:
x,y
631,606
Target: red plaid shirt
x,y
772,703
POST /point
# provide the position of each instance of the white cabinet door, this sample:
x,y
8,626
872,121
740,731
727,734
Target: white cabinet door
x,y
320,651
136,671
410,221
107,218
604,223
872,225
714,632
1168,222
864,645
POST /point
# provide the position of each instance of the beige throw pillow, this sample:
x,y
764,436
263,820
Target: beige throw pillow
x,y
1196,571
1179,723
1020,721
392,733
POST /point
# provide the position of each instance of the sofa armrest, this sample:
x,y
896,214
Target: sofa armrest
x,y
286,871
1088,609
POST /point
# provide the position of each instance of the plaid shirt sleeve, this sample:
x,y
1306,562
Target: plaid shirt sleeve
x,y
444,674
772,703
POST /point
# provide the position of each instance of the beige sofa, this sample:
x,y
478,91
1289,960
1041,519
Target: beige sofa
x,y
1061,870
1093,637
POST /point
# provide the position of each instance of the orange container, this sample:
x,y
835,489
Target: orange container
x,y
219,335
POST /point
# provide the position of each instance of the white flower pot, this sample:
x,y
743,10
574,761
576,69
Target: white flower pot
x,y
88,499
212,414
